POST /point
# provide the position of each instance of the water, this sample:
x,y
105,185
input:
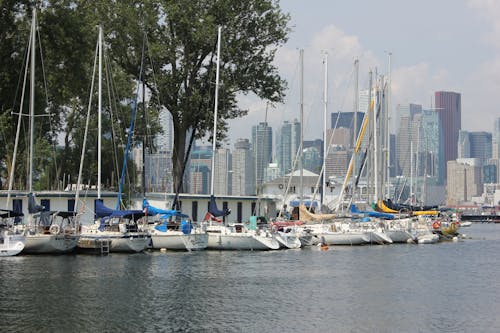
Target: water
x,y
445,287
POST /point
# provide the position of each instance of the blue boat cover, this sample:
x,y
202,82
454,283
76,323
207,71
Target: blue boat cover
x,y
103,211
165,213
387,216
307,203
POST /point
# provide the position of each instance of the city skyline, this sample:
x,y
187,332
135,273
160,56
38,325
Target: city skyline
x,y
427,56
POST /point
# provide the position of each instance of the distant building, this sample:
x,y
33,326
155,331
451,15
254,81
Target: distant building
x,y
243,182
464,181
448,105
475,145
287,145
262,148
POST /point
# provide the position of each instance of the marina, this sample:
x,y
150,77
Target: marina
x,y
449,286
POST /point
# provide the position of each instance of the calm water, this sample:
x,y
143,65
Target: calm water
x,y
446,287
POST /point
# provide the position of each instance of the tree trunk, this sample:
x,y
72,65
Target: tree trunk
x,y
178,156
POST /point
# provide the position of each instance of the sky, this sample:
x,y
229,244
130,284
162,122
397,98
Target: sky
x,y
435,45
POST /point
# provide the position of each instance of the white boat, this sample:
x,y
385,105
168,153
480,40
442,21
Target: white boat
x,y
465,224
399,230
118,227
51,232
238,237
427,238
11,243
288,239
339,233
42,234
173,230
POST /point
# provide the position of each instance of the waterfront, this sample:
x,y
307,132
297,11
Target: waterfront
x,y
445,287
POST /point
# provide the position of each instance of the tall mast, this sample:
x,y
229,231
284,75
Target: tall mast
x,y
375,140
99,119
32,100
301,184
325,104
355,130
388,133
214,138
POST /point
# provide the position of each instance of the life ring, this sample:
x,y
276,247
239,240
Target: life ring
x,y
280,186
436,225
54,229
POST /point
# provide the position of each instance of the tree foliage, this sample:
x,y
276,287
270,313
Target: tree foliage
x,y
179,72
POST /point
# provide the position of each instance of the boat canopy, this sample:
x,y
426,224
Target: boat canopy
x,y
5,213
103,211
387,216
307,203
165,213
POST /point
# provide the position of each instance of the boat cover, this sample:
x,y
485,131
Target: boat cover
x,y
212,209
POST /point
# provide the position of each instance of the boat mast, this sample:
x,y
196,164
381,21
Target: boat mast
x,y
18,130
388,133
355,130
99,119
214,138
301,183
325,104
32,101
82,157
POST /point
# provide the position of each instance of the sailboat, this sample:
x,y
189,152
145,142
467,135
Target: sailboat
x,y
11,243
46,231
173,230
236,236
114,230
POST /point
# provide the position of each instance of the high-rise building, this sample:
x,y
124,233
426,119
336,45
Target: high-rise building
x,y
475,145
158,165
408,137
431,144
262,148
448,106
243,179
346,120
464,180
200,170
222,179
287,145
496,140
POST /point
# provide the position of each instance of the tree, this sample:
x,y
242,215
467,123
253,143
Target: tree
x,y
182,43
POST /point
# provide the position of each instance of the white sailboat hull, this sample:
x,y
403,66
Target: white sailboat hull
x,y
129,242
287,240
11,245
177,240
400,236
50,244
227,238
344,238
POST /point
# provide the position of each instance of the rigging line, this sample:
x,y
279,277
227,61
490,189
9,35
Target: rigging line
x,y
47,105
25,55
84,144
18,129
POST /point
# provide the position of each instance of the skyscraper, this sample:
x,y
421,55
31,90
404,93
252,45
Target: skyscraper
x,y
475,145
496,139
262,147
448,105
243,169
287,145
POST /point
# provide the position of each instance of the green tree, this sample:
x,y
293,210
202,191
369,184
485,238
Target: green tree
x,y
182,44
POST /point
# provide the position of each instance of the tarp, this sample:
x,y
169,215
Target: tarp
x,y
103,211
33,207
387,216
307,216
212,209
165,213
307,203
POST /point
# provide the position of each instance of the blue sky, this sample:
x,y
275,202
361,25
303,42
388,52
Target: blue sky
x,y
451,45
